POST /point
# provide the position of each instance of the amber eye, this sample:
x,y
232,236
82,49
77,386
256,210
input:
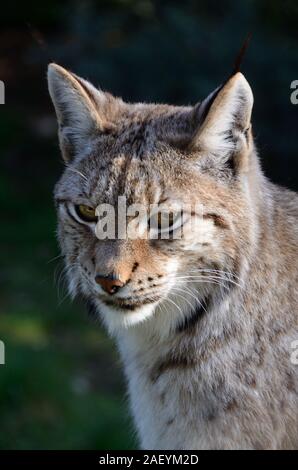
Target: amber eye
x,y
86,213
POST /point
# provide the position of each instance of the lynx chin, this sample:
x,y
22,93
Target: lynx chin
x,y
203,323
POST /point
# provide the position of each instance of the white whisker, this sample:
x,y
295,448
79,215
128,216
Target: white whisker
x,y
208,277
204,282
174,303
74,170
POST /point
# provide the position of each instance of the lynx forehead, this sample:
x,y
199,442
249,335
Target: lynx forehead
x,y
204,321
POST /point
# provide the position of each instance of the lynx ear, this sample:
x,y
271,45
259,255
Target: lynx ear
x,y
77,104
223,121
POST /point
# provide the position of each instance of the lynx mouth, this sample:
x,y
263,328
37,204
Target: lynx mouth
x,y
129,304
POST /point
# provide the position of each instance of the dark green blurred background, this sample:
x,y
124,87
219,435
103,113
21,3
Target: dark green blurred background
x,y
62,387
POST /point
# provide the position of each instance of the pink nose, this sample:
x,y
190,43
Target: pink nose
x,y
110,284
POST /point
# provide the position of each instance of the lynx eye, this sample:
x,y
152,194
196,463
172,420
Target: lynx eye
x,y
86,213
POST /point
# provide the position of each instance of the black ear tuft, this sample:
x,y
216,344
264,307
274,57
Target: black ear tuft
x,y
241,53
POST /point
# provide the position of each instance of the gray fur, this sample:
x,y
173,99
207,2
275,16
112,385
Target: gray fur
x,y
207,358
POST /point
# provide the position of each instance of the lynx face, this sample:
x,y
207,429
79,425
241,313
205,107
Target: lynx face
x,y
194,159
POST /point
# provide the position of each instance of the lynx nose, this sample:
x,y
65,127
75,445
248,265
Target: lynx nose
x,y
110,283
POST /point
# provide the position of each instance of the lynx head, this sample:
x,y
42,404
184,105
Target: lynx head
x,y
192,160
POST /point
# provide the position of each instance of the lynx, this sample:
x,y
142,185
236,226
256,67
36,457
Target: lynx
x,y
204,323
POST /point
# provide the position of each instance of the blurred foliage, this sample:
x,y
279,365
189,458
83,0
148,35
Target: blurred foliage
x,y
62,386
